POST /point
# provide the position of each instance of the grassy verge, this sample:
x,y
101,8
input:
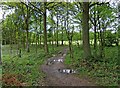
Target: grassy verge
x,y
25,70
104,72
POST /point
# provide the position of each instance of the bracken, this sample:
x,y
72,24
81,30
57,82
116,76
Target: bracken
x,y
11,80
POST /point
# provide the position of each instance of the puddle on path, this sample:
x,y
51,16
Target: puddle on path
x,y
50,62
58,60
67,71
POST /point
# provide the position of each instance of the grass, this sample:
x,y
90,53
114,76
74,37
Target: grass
x,y
0,76
104,72
27,68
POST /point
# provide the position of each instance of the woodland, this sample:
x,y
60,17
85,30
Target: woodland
x,y
33,32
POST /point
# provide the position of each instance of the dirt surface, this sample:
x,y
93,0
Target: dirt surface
x,y
56,78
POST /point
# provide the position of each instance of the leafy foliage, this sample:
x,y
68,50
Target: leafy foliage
x,y
27,23
111,39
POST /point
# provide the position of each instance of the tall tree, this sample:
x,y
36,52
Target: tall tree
x,y
57,29
45,30
119,41
0,43
26,15
85,26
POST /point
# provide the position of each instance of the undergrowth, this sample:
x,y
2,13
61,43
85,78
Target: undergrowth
x,y
25,70
0,76
102,70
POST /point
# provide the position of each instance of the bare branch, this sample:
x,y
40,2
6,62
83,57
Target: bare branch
x,y
32,8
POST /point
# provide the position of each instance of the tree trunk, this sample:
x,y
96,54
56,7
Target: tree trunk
x,y
27,32
95,37
27,43
69,36
101,44
0,46
40,31
62,37
52,33
36,42
11,43
18,44
33,40
23,40
45,31
101,35
57,30
70,48
62,33
26,17
85,25
40,41
37,36
118,71
30,36
55,36
53,41
95,32
80,36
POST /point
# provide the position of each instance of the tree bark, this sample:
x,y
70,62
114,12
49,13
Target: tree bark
x,y
11,43
95,32
40,31
62,37
45,31
27,43
27,28
23,40
101,38
40,40
0,46
85,25
18,44
57,30
36,41
118,71
101,45
62,32
70,48
69,35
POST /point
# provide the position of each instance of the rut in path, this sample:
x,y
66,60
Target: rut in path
x,y
56,78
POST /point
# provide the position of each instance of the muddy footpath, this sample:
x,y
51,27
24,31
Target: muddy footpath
x,y
58,75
